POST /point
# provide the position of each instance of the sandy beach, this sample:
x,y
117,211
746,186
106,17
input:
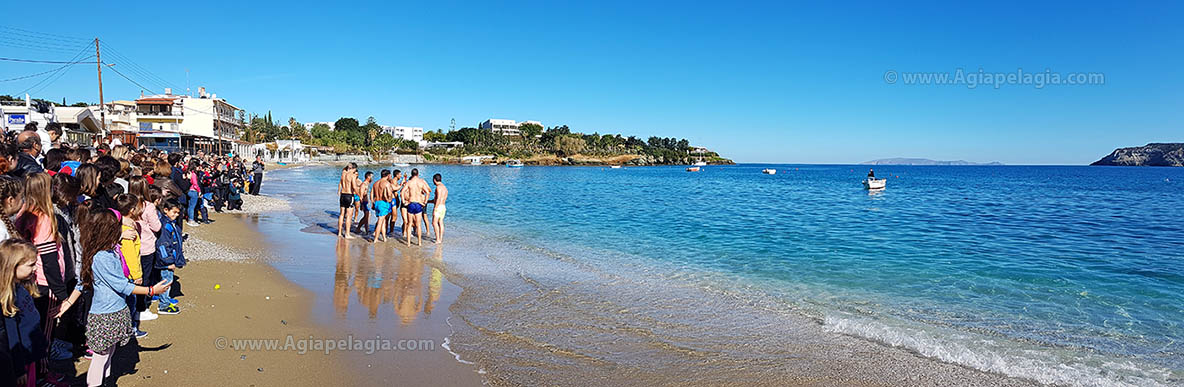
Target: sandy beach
x,y
233,300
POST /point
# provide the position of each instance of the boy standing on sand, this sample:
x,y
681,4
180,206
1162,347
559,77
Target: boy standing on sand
x,y
345,189
415,194
382,204
438,212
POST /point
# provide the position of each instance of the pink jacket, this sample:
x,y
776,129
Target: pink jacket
x,y
149,224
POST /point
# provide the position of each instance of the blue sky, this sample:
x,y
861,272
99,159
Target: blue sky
x,y
758,82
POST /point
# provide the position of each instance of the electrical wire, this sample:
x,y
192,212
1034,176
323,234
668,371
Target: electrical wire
x,y
44,72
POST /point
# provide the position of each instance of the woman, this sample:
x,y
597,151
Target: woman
x,y
160,173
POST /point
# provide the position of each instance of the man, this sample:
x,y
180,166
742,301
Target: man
x,y
439,209
415,195
382,204
871,174
395,185
257,170
29,147
55,133
365,199
345,189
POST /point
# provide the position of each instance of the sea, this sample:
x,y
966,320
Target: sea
x,y
1067,275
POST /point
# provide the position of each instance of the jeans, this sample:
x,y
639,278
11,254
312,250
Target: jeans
x,y
193,201
165,300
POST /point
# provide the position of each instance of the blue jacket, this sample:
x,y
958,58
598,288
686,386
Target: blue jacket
x,y
26,343
110,285
168,246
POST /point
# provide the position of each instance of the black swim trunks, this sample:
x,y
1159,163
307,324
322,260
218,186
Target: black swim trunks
x,y
347,200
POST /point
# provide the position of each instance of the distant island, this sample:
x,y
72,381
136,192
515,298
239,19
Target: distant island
x,y
919,161
1150,155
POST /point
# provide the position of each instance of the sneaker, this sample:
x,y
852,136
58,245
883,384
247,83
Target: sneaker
x,y
191,224
169,309
147,316
141,334
156,298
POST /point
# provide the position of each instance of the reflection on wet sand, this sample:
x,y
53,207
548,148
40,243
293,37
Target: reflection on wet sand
x,y
383,274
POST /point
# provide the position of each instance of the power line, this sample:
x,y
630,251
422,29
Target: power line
x,y
61,70
136,67
130,80
43,72
43,61
44,35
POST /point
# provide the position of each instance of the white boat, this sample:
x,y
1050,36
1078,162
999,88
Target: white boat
x,y
874,183
615,166
769,171
693,169
402,165
514,164
475,162
700,163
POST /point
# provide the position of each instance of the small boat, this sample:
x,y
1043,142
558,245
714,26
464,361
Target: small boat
x,y
615,166
769,171
693,169
874,183
514,164
402,165
700,163
475,162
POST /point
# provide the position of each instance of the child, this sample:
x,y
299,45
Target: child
x,y
130,209
236,195
169,254
71,164
12,193
149,224
26,343
37,224
109,322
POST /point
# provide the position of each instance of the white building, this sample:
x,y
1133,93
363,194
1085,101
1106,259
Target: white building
x,y
501,126
412,133
205,122
281,151
506,127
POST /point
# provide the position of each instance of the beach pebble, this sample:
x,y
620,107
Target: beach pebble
x,y
243,357
268,297
260,370
283,322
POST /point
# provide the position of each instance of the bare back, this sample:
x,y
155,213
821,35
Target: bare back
x,y
346,186
441,195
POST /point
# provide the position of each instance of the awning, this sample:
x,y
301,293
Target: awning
x,y
154,101
160,135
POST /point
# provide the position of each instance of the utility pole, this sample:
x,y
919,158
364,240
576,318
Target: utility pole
x,y
102,106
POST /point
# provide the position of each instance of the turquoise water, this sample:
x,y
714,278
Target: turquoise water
x,y
1068,275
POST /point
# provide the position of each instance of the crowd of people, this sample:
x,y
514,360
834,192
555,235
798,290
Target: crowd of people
x,y
393,196
91,237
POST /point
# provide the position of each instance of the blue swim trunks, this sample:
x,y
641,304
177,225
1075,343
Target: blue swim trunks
x,y
382,208
414,208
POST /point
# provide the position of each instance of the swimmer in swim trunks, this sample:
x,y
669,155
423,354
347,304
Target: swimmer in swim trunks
x,y
440,209
415,194
364,196
382,204
345,189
